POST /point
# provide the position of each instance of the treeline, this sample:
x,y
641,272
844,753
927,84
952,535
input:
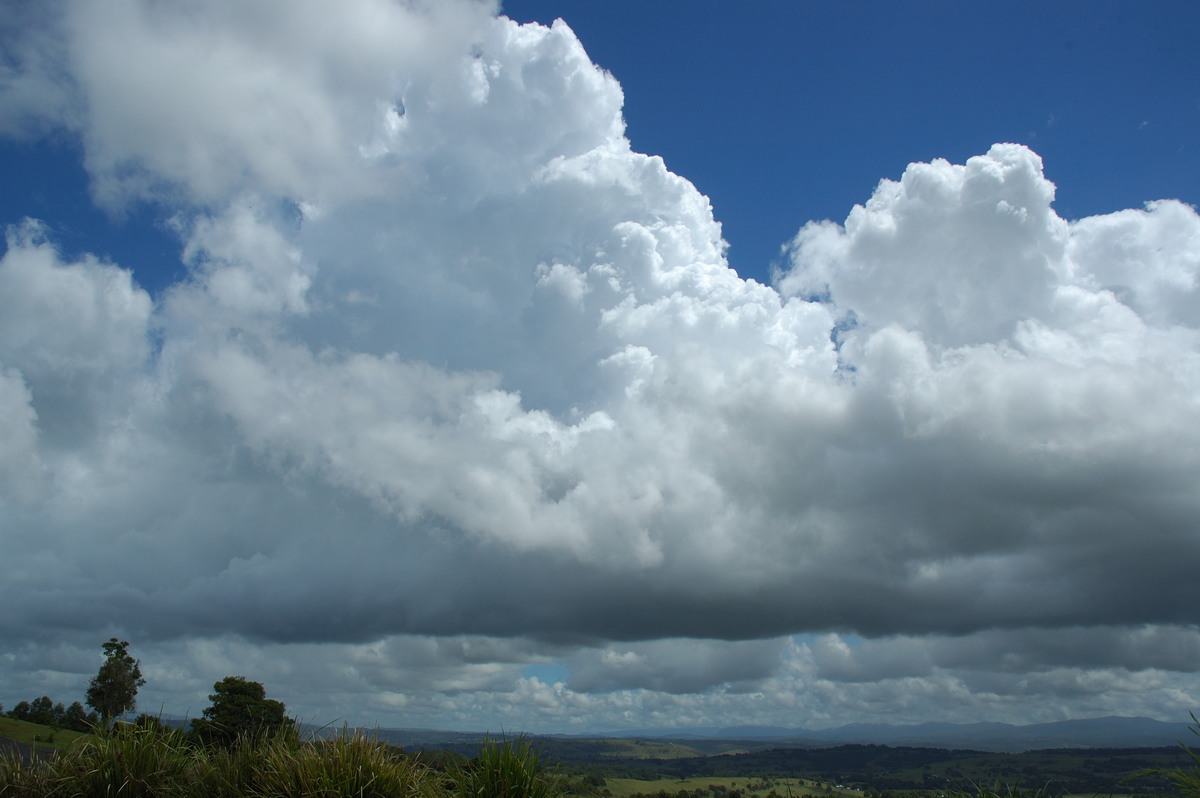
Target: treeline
x,y
46,712
240,707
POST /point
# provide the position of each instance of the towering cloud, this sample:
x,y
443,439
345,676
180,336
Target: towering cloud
x,y
459,383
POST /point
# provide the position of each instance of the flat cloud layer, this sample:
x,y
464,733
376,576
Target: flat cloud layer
x,y
461,418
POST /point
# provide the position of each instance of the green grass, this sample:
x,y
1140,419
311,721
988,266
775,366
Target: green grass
x,y
42,737
648,749
750,786
145,762
506,769
139,762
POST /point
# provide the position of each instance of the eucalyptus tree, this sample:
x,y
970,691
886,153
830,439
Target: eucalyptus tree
x,y
113,691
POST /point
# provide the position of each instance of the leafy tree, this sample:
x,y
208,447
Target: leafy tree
x,y
150,722
76,718
114,690
41,710
21,711
240,709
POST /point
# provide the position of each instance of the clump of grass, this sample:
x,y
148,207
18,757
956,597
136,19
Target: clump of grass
x,y
506,769
347,765
144,762
21,779
131,762
227,772
148,762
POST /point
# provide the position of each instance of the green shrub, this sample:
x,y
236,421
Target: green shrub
x,y
20,779
147,761
348,765
506,770
131,762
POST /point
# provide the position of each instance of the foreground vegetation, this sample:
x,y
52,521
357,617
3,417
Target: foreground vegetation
x,y
149,759
144,761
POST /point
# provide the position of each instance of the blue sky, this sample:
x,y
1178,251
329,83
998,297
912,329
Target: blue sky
x,y
396,359
785,112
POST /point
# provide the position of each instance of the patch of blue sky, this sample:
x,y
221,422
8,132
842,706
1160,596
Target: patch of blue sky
x,y
46,180
547,673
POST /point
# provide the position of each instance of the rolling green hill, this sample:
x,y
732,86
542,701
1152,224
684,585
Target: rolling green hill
x,y
36,735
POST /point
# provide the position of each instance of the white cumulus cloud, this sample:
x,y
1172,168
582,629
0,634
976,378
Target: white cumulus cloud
x,y
459,383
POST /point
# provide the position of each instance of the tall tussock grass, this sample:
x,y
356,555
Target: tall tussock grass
x,y
350,764
505,769
135,762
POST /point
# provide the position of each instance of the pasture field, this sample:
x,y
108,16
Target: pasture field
x,y
38,736
747,786
648,749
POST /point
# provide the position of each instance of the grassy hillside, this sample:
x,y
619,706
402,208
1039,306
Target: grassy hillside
x,y
616,748
141,761
37,735
748,787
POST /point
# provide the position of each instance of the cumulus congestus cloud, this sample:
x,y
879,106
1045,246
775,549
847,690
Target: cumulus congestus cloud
x,y
459,383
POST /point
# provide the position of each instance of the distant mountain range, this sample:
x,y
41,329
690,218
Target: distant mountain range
x,y
1109,732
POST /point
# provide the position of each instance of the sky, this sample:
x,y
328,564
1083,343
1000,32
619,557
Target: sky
x,y
444,365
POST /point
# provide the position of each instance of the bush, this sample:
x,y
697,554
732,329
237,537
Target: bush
x,y
347,765
144,761
131,761
21,779
506,770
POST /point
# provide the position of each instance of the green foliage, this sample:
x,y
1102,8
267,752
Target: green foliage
x,y
347,765
440,759
45,712
113,691
77,719
143,761
21,779
506,770
130,761
240,710
1186,778
20,731
152,722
